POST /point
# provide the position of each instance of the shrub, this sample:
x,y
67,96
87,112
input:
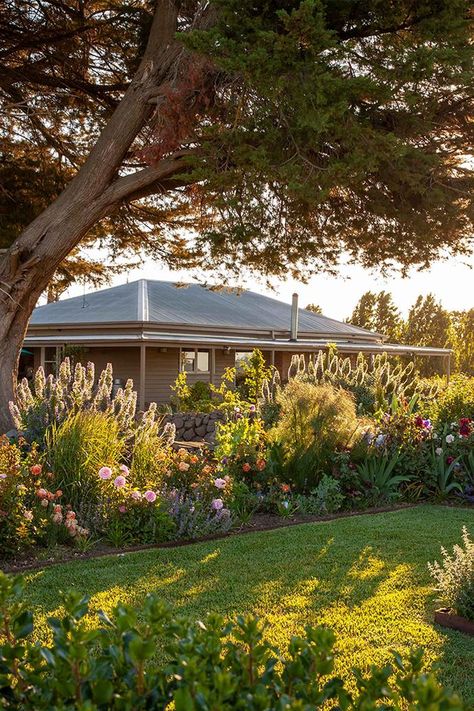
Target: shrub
x,y
315,421
151,450
76,450
326,498
240,449
212,664
253,375
455,577
454,401
30,513
50,400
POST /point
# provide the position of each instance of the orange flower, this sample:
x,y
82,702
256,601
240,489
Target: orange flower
x,y
58,494
36,469
261,464
285,488
194,459
246,467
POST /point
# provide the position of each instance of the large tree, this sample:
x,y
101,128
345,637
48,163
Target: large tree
x,y
263,135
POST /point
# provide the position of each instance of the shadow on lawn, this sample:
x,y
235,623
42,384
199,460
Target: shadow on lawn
x,y
373,592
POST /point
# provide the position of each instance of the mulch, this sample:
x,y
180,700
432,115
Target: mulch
x,y
259,522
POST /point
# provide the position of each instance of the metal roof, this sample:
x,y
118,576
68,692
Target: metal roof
x,y
166,304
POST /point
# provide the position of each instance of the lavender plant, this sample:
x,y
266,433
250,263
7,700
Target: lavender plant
x,y
194,517
454,577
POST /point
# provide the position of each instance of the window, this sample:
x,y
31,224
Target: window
x,y
50,360
196,361
188,361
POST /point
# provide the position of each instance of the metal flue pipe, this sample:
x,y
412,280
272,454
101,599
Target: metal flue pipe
x,y
294,318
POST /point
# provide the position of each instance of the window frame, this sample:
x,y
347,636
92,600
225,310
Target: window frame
x,y
195,370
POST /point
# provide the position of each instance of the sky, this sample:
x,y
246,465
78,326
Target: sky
x,y
452,282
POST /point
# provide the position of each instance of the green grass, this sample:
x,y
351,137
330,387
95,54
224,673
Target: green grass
x,y
364,576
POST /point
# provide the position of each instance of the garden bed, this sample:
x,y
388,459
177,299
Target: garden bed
x,y
260,522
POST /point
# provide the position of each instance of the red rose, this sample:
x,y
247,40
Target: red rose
x,y
246,467
36,469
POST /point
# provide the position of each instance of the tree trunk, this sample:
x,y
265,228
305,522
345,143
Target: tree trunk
x,y
95,192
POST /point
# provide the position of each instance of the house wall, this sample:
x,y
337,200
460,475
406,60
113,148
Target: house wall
x,y
162,367
125,362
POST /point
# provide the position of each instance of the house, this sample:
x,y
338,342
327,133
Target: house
x,y
149,330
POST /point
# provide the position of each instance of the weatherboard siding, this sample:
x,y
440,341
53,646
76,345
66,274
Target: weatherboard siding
x,y
162,367
125,362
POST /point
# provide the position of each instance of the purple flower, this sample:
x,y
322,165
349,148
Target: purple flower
x,y
217,504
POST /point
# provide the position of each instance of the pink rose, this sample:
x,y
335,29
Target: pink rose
x,y
150,496
220,483
120,481
217,504
122,509
183,466
136,495
124,469
105,473
41,493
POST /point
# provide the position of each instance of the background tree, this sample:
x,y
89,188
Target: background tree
x,y
264,135
315,308
428,324
461,339
364,312
377,312
388,319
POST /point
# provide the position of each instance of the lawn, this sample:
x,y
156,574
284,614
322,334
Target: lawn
x,y
364,576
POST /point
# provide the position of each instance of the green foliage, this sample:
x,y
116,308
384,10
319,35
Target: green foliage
x,y
461,339
378,474
139,522
206,397
453,401
315,421
441,480
150,449
52,399
326,498
213,664
241,448
31,514
75,451
455,577
254,374
331,87
378,313
192,398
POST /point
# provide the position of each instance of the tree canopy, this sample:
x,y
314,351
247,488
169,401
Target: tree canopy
x,y
311,127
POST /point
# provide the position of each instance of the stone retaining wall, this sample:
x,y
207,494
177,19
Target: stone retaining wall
x,y
195,426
